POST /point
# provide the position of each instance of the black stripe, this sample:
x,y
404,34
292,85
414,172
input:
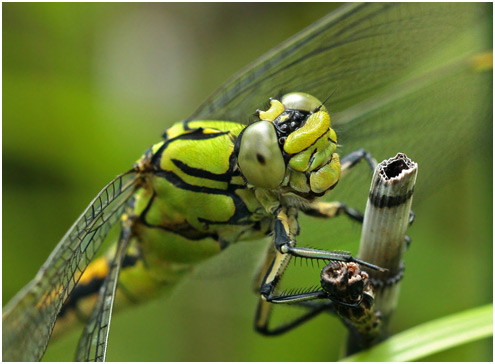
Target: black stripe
x,y
79,292
241,210
198,172
312,158
309,146
281,236
197,134
180,183
233,156
185,230
93,286
381,201
310,211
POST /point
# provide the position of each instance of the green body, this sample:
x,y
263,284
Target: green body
x,y
205,186
190,207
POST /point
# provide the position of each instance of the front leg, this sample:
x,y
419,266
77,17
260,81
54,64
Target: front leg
x,y
285,245
285,248
273,266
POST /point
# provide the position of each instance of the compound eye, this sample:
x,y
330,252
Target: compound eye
x,y
260,158
301,101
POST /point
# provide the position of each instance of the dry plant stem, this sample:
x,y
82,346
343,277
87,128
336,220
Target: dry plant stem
x,y
383,239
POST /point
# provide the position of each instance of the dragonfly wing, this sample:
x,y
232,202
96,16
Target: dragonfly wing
x,y
93,343
437,118
403,78
29,318
353,52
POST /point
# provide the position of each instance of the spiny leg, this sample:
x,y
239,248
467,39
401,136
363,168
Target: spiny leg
x,y
285,249
275,263
263,313
285,225
351,159
264,308
337,208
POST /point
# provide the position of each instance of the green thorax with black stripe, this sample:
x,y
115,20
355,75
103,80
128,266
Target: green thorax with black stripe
x,y
195,189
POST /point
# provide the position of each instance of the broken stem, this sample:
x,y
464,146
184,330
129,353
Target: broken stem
x,y
383,242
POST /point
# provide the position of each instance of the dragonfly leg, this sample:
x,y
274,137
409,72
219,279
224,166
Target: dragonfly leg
x,y
263,316
268,257
285,249
332,209
351,159
337,208
264,308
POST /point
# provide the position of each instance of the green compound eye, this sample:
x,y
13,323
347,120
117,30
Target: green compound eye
x,y
301,101
260,158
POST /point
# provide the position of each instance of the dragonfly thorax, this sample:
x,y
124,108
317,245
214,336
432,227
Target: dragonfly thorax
x,y
291,149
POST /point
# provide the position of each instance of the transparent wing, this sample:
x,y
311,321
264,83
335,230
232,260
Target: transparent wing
x,y
29,318
354,52
93,343
403,78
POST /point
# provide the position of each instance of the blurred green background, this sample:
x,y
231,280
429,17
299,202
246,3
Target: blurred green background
x,y
88,87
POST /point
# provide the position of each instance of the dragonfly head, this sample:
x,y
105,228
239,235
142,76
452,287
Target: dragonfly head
x,y
291,148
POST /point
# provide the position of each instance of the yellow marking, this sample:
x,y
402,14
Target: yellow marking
x,y
276,108
316,125
279,264
483,61
175,130
157,146
326,176
329,209
220,125
210,131
263,268
319,153
332,135
292,220
264,312
282,216
98,268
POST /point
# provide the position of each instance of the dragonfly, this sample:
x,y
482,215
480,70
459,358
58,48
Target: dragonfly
x,y
389,77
